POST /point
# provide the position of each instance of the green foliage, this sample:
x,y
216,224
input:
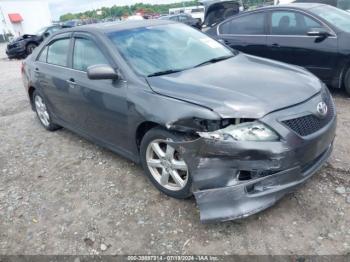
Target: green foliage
x,y
119,11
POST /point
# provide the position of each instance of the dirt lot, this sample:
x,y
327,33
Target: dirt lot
x,y
60,194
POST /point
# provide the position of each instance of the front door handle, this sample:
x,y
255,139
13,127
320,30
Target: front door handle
x,y
223,41
71,82
276,45
36,72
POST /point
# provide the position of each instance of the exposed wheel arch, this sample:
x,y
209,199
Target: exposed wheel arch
x,y
31,90
346,80
142,129
28,44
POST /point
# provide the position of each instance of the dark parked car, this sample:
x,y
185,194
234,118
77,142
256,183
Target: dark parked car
x,y
342,4
237,131
24,45
217,11
313,36
183,18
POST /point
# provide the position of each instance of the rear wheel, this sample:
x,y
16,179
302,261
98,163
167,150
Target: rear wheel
x,y
347,82
164,165
43,112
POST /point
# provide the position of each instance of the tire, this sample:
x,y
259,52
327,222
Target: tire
x,y
347,82
30,47
43,113
164,168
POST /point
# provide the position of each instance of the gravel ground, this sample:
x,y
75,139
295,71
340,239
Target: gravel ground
x,y
60,194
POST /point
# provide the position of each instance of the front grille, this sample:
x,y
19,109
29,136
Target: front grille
x,y
309,124
14,45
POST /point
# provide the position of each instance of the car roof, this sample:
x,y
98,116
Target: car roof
x,y
302,6
119,25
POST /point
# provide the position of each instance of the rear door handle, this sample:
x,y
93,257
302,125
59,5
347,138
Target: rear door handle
x,y
276,45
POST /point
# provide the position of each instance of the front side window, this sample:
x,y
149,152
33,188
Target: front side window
x,y
334,16
253,24
86,53
58,51
166,47
292,23
43,55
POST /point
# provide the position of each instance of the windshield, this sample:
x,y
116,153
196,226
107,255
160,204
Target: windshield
x,y
334,16
172,47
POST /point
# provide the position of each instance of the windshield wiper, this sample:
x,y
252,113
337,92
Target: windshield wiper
x,y
165,72
214,60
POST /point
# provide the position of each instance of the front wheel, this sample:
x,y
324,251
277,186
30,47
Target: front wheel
x,y
164,165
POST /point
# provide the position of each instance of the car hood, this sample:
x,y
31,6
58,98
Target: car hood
x,y
22,37
241,87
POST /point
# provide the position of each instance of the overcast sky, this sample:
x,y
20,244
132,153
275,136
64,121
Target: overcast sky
x,y
60,7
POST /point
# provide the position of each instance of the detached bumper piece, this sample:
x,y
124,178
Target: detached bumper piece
x,y
247,198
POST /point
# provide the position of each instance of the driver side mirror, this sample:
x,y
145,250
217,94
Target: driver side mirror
x,y
46,34
99,72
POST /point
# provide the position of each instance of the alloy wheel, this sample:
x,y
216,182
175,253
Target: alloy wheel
x,y
166,165
41,110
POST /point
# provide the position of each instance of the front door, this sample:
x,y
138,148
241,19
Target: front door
x,y
51,70
289,42
100,104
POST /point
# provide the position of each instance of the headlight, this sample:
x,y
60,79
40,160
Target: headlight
x,y
250,131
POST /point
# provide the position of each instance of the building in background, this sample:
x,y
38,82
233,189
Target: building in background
x,y
18,17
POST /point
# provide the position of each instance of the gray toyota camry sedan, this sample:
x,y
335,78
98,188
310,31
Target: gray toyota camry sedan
x,y
236,131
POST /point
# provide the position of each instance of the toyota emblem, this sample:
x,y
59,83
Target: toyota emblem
x,y
322,109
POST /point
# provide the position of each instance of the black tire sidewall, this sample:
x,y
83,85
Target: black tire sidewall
x,y
347,82
51,126
159,133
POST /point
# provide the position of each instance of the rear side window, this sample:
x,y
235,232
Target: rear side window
x,y
58,51
253,24
86,53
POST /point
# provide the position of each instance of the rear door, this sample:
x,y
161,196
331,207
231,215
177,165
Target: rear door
x,y
51,70
289,42
246,33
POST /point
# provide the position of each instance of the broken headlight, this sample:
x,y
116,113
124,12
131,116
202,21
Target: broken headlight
x,y
249,131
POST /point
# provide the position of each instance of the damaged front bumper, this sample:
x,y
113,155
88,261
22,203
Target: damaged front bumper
x,y
254,195
233,179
